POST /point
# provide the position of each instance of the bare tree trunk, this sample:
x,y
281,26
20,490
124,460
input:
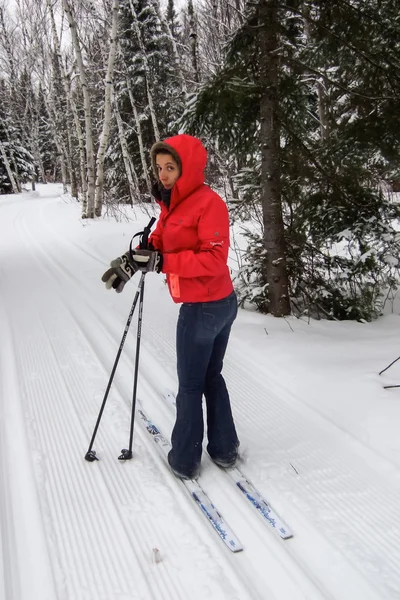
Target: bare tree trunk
x,y
147,73
323,111
321,90
8,169
88,113
61,149
139,135
129,167
12,159
107,111
12,80
67,148
36,149
274,239
60,131
72,174
193,41
71,104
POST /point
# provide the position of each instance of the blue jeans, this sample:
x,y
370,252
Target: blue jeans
x,y
202,337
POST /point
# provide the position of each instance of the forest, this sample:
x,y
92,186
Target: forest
x,y
297,103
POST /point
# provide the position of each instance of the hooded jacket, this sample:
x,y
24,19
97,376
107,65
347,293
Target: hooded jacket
x,y
193,233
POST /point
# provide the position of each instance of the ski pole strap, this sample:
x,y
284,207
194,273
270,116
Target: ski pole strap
x,y
143,237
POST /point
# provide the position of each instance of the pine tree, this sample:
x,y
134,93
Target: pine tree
x,y
147,64
171,17
48,150
16,161
338,223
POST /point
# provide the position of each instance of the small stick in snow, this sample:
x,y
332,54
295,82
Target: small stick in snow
x,y
289,325
156,555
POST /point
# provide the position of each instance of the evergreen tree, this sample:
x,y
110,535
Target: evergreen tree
x,y
48,150
172,19
16,156
147,64
341,245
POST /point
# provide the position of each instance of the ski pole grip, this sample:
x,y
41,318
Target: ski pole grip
x,y
146,232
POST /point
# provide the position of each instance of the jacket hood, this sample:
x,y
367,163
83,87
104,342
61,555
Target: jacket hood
x,y
193,160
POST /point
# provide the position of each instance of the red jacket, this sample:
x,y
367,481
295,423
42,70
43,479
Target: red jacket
x,y
193,234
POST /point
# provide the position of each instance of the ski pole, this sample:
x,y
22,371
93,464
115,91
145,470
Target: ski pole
x,y
126,453
91,454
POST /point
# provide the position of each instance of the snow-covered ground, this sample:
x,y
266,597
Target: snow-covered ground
x,y
319,437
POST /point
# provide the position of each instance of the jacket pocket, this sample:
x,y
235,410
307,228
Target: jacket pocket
x,y
180,233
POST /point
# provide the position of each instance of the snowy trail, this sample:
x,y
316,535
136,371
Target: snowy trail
x,y
116,513
52,266
91,528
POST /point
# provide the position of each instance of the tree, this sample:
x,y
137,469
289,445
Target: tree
x,y
193,41
107,110
88,206
276,273
331,183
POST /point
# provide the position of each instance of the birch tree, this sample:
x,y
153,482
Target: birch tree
x,y
10,174
129,166
320,83
107,110
193,41
146,70
90,212
72,105
139,135
6,42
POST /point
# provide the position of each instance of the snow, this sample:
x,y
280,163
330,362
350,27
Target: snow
x,y
319,437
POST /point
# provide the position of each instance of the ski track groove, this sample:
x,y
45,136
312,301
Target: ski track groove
x,y
28,570
62,498
27,235
368,533
278,412
264,535
139,431
8,552
288,421
128,487
63,449
74,281
242,511
316,583
49,377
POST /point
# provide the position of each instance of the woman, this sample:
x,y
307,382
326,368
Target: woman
x,y
190,245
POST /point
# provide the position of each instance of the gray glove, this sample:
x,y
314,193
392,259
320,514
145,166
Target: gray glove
x,y
122,269
125,266
147,260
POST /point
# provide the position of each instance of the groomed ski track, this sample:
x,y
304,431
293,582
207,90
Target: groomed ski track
x,y
73,530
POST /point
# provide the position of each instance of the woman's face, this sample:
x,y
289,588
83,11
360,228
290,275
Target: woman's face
x,y
168,170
